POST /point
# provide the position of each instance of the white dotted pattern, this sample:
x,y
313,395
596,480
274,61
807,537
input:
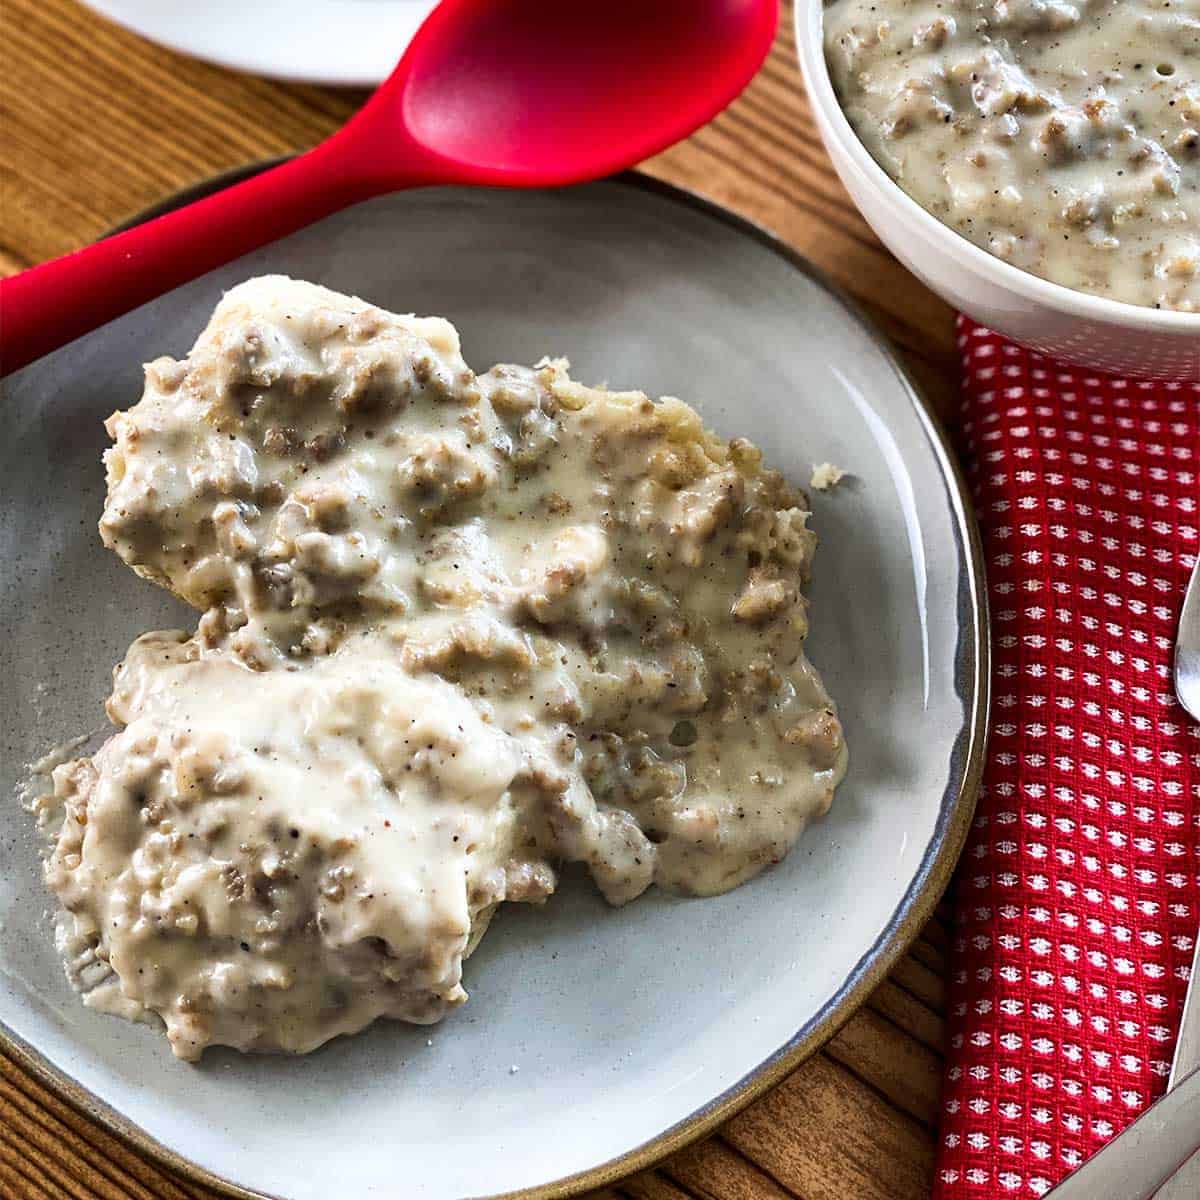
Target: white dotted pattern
x,y
1078,897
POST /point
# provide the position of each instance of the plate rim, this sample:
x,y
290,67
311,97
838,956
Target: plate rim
x,y
280,70
924,892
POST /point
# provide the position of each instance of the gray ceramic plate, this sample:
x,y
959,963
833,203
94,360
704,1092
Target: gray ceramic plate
x,y
631,1031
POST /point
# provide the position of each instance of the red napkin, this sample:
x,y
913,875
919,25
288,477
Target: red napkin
x,y
1077,900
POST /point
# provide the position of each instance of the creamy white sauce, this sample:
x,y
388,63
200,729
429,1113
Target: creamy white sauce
x,y
1061,135
38,774
456,630
825,476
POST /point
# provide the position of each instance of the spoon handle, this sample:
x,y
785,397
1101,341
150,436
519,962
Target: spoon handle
x,y
49,305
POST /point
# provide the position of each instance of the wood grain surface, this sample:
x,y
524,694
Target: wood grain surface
x,y
96,124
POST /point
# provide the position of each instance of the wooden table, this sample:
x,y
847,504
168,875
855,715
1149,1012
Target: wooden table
x,y
95,124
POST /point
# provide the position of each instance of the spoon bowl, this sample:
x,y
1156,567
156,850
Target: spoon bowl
x,y
516,93
552,93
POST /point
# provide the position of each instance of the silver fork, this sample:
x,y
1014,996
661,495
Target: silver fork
x,y
1185,1183
1159,1154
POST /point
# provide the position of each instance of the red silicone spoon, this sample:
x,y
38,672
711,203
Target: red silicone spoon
x,y
517,93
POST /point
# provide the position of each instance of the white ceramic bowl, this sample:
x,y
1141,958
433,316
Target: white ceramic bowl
x,y
1091,331
344,43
